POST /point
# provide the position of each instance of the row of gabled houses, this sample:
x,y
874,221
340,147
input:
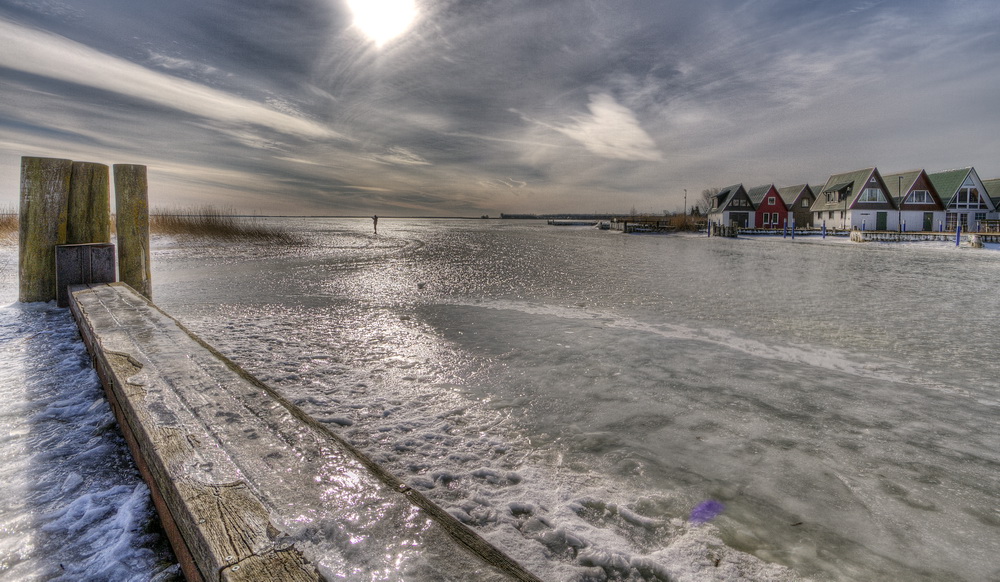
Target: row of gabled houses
x,y
866,200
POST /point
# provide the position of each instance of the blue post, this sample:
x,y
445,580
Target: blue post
x,y
793,229
784,233
904,226
958,234
824,229
862,226
940,226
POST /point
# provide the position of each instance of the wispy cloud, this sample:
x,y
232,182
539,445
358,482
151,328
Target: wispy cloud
x,y
611,131
49,55
399,156
500,106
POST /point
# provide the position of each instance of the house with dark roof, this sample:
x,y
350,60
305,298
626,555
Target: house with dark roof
x,y
855,200
966,200
732,207
798,199
769,207
917,201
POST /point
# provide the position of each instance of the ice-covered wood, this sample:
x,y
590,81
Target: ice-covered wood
x,y
253,488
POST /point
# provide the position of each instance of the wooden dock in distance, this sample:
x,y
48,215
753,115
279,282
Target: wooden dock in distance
x,y
247,485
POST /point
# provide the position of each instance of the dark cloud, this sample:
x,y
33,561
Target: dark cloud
x,y
508,105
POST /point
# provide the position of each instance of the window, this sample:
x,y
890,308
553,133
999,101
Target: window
x,y
871,195
774,219
767,219
968,198
831,214
920,197
770,200
805,203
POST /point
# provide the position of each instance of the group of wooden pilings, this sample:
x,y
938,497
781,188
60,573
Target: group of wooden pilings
x,y
69,203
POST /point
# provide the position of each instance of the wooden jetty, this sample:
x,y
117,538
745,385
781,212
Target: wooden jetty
x,y
643,224
247,486
974,239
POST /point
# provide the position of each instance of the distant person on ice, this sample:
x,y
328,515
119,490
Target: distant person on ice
x,y
375,223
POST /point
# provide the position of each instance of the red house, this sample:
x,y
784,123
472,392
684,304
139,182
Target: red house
x,y
771,211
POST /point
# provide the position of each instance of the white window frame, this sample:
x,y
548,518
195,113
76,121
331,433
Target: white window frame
x,y
968,193
924,195
770,200
774,218
868,194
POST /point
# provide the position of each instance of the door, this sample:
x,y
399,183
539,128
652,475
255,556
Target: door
x,y
881,220
739,219
928,221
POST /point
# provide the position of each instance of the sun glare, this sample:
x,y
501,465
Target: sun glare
x,y
383,20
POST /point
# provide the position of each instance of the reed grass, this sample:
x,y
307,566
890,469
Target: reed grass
x,y
8,225
210,222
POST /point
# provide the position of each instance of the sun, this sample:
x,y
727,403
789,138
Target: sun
x,y
383,20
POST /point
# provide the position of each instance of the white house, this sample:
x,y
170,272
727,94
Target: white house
x,y
966,200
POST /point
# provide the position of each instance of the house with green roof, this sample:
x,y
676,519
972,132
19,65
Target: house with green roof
x,y
966,201
798,199
769,207
993,189
731,207
917,201
855,200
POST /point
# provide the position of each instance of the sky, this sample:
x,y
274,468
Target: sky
x,y
471,107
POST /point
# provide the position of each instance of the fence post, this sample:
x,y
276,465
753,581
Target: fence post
x,y
132,220
89,208
45,184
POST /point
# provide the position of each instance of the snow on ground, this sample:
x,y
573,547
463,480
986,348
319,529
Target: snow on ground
x,y
74,506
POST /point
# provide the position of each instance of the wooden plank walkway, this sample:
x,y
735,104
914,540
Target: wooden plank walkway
x,y
247,485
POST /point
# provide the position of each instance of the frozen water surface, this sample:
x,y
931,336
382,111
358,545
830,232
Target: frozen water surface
x,y
575,394
72,505
586,399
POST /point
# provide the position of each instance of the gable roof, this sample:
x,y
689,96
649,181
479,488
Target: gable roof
x,y
725,196
791,194
757,193
908,180
905,179
993,189
948,182
850,182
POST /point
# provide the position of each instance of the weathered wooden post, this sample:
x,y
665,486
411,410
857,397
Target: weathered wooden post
x,y
132,221
45,185
83,263
89,212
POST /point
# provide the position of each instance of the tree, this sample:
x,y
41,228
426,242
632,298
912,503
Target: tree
x,y
707,194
